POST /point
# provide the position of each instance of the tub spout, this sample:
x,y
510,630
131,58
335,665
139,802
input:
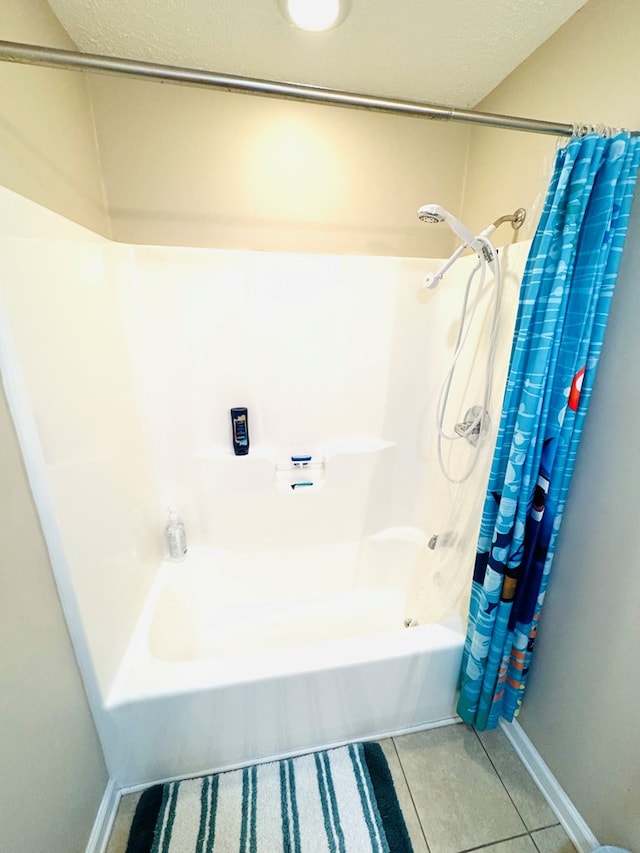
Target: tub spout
x,y
442,540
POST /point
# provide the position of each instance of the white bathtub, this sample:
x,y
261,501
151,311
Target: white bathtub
x,y
225,668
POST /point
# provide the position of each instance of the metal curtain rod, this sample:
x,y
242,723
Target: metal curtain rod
x,y
51,57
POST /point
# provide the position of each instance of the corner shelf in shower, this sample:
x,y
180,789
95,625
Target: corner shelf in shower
x,y
341,463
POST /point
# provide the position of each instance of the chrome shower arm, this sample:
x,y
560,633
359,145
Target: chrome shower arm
x,y
516,219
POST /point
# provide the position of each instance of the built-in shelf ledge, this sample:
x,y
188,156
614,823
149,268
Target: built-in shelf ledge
x,y
326,450
354,445
256,451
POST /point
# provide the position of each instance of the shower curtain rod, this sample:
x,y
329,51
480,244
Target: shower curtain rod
x,y
51,57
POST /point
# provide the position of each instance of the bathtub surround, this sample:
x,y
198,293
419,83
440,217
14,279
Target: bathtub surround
x,y
97,478
158,325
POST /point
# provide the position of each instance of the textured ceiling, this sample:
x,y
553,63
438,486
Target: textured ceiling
x,y
451,52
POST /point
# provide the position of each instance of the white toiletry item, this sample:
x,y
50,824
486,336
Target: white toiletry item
x,y
176,536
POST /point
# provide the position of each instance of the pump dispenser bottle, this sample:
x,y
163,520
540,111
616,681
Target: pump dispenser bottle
x,y
176,536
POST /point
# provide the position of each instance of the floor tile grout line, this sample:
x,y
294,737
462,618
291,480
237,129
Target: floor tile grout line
x,y
494,843
542,828
498,774
534,842
413,802
535,829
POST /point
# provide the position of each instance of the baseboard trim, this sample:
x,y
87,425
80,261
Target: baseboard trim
x,y
104,819
572,821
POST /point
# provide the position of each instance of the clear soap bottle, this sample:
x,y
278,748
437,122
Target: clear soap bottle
x,y
176,536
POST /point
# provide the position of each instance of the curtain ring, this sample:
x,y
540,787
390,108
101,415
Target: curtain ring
x,y
580,129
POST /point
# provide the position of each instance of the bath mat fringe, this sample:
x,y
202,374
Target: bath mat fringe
x,y
336,801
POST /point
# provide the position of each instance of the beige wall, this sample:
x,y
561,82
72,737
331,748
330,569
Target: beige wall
x,y
586,72
190,167
52,774
48,148
581,708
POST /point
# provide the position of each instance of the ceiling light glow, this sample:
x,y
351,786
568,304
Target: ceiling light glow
x,y
314,15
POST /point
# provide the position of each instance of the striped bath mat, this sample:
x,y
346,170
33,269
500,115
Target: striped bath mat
x,y
338,801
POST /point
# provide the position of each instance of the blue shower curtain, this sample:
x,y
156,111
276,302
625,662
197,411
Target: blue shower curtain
x,y
564,304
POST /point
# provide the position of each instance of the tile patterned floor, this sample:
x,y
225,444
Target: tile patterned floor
x,y
459,790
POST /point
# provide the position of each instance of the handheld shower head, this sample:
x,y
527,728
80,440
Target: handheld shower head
x,y
433,213
481,245
430,213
